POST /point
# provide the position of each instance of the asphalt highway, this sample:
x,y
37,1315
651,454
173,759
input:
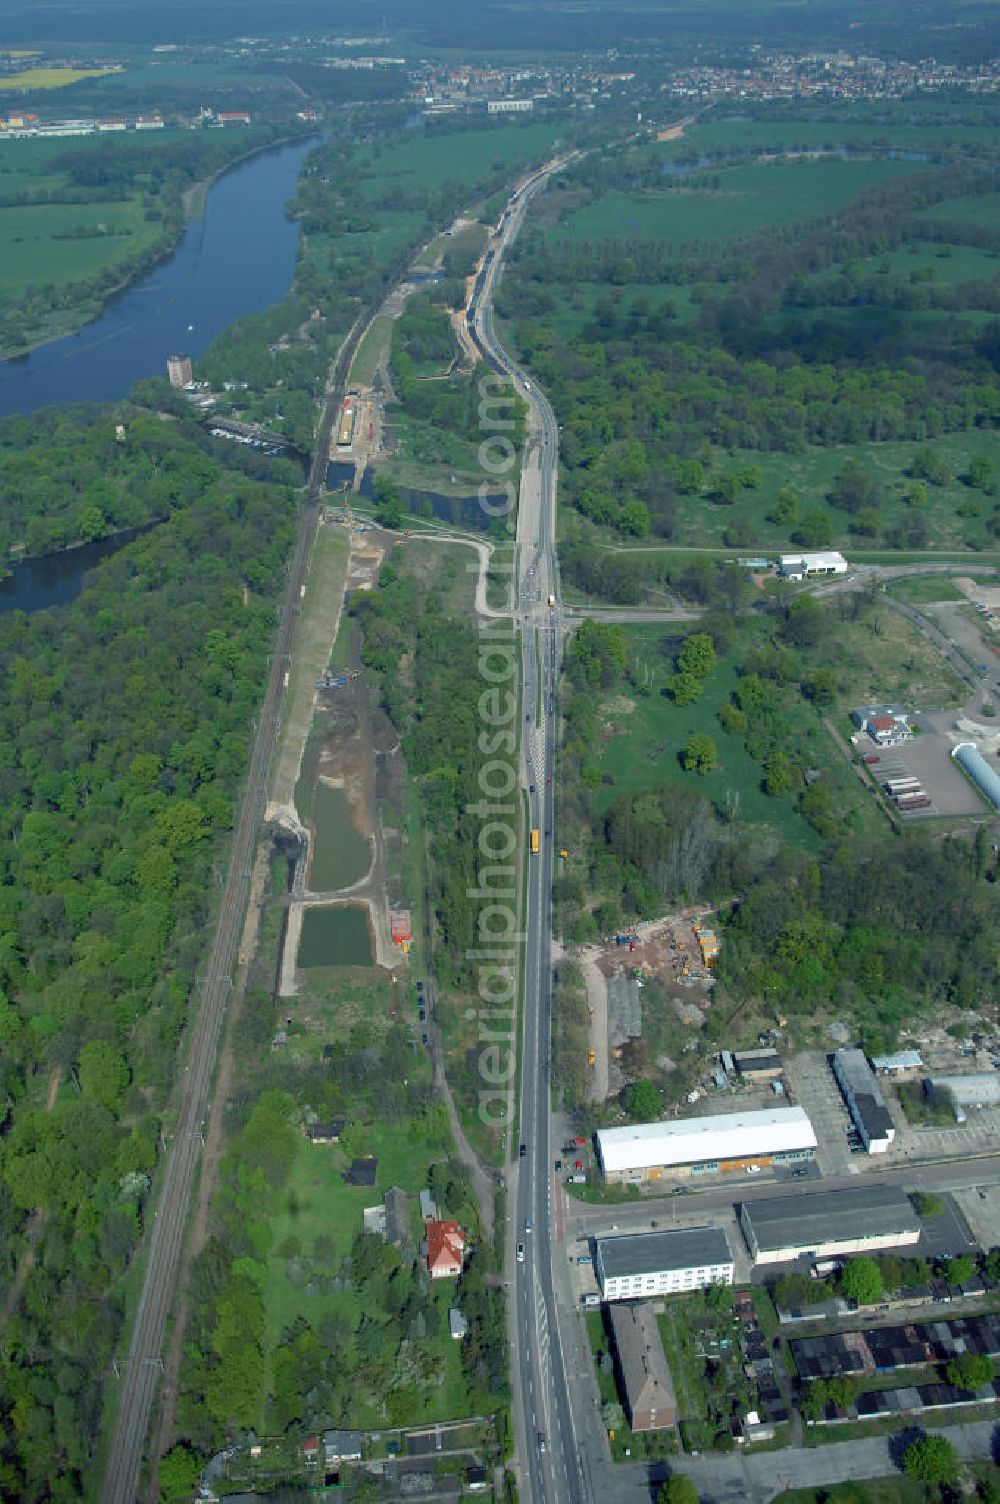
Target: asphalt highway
x,y
548,1455
561,1447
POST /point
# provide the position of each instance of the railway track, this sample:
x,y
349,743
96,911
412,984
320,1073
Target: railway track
x,y
140,1370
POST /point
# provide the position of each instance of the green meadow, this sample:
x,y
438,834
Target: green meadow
x,y
747,199
425,162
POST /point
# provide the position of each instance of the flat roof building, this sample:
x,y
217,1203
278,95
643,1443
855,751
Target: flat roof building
x,y
903,1062
760,1064
828,1223
864,1099
644,1264
981,1089
644,1382
805,566
700,1146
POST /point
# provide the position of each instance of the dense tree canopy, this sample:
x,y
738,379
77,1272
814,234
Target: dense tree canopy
x,y
124,722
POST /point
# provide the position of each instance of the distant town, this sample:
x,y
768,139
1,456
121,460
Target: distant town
x,y
440,88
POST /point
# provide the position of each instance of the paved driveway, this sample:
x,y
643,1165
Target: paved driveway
x,y
814,1087
730,1480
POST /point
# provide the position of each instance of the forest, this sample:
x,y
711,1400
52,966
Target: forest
x,y
124,723
689,362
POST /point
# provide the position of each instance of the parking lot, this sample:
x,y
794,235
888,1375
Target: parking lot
x,y
979,1135
981,1209
928,757
813,1086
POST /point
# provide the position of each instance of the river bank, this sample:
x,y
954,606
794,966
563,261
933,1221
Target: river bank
x,y
238,258
179,211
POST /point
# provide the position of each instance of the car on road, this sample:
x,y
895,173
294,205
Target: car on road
x,y
423,1039
522,1151
520,1253
531,788
681,1190
527,1227
423,1014
558,1164
542,1443
420,986
800,1171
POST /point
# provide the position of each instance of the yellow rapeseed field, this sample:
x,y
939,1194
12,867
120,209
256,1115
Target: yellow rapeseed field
x,y
51,78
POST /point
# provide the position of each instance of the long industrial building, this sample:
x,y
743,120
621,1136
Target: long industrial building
x,y
864,1099
705,1146
828,1223
644,1264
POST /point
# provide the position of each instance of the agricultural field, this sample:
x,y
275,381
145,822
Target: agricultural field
x,y
425,162
60,242
30,80
944,265
576,305
65,243
723,136
395,228
746,200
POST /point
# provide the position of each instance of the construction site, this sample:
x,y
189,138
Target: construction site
x,y
654,981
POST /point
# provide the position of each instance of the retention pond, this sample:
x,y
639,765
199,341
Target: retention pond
x,y
335,937
341,855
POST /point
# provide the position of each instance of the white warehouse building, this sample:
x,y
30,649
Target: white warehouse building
x,y
637,1266
807,566
705,1146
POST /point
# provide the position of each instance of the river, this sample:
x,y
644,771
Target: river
x,y
238,258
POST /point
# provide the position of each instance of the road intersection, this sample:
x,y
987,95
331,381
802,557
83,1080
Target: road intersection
x,y
562,1449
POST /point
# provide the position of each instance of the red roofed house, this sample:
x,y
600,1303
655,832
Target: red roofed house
x,y
887,731
445,1247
